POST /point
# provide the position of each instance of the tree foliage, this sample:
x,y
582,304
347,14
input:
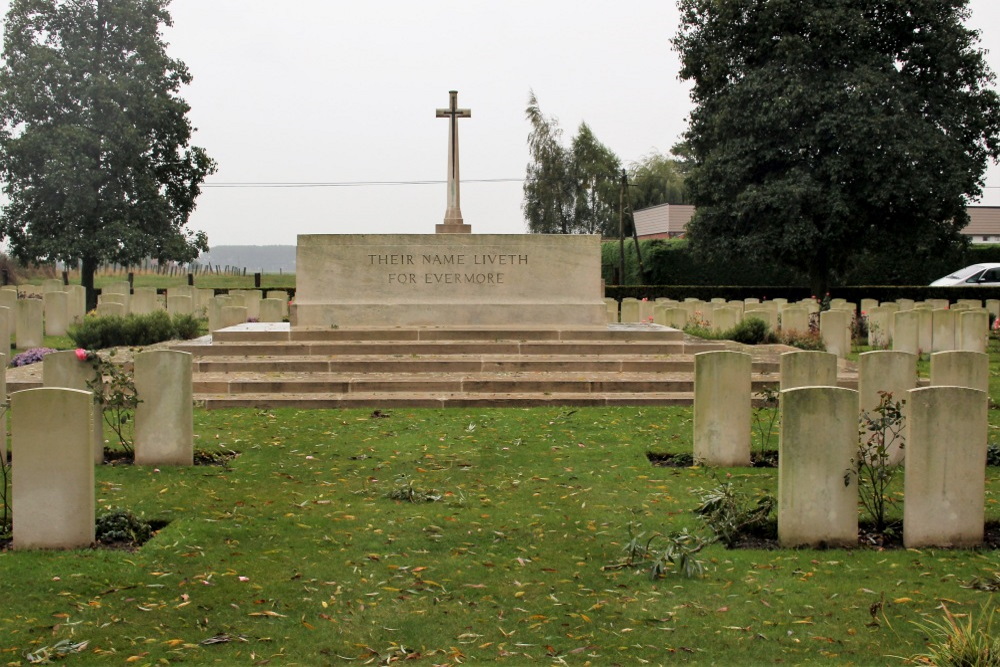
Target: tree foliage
x,y
572,190
657,179
823,128
94,136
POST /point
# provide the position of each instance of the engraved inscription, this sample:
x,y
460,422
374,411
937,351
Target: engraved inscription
x,y
482,275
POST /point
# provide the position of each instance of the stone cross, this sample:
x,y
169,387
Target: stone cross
x,y
453,223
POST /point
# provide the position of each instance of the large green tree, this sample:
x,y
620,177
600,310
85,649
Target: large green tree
x,y
657,179
568,190
94,137
823,128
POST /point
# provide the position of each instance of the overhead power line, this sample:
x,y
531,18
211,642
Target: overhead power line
x,y
348,184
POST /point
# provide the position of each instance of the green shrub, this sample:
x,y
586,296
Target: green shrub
x,y
97,333
122,526
751,331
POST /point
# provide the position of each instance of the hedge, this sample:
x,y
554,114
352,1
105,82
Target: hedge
x,y
852,293
669,262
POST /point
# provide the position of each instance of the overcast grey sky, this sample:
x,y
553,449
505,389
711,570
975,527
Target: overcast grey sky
x,y
335,92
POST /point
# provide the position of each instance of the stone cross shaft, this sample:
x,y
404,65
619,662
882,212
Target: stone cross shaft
x,y
453,222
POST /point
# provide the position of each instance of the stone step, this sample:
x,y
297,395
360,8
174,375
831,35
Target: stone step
x,y
281,332
256,365
477,383
444,400
457,364
449,348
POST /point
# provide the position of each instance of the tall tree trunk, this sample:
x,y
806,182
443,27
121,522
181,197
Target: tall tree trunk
x,y
88,267
819,278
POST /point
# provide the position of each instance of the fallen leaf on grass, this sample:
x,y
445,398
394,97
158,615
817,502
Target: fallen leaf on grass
x,y
267,613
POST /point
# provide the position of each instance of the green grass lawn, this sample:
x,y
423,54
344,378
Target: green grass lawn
x,y
295,554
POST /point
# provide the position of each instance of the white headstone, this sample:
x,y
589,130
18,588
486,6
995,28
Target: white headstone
x,y
722,408
53,481
944,486
819,436
164,422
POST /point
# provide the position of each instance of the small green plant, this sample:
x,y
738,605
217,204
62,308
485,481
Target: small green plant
x,y
61,649
803,340
765,418
679,555
122,526
407,492
730,512
993,455
955,642
751,331
879,433
114,390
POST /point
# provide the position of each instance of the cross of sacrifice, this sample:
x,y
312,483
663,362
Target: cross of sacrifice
x,y
453,222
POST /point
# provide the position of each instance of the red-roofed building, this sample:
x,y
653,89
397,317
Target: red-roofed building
x,y
668,221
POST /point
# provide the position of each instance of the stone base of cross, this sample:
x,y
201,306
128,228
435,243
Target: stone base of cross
x,y
453,228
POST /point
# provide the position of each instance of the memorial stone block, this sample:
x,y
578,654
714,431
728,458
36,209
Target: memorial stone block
x,y
180,305
892,372
53,480
144,301
835,329
449,279
795,318
77,303
879,327
164,421
945,467
722,408
232,315
6,329
677,317
8,298
630,312
974,330
111,309
943,336
819,437
959,368
28,327
56,313
725,318
808,368
270,310
64,370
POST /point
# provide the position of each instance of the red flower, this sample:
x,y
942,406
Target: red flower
x,y
81,354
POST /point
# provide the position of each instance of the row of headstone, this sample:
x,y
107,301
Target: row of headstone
x,y
28,320
717,314
53,459
819,438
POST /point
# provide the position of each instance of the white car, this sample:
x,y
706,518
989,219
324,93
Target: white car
x,y
977,274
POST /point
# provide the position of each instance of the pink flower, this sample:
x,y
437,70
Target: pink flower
x,y
81,354
996,324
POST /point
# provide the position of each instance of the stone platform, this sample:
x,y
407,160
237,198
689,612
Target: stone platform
x,y
261,365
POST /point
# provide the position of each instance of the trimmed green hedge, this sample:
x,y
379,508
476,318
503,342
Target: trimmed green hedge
x,y
853,293
96,333
669,262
